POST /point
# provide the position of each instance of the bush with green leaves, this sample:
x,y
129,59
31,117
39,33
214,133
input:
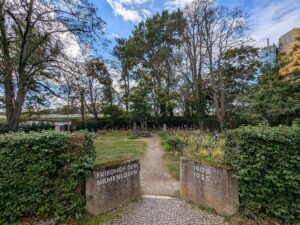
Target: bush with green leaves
x,y
267,164
42,174
38,126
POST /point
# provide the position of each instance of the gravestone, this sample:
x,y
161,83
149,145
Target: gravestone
x,y
112,186
164,128
209,186
134,127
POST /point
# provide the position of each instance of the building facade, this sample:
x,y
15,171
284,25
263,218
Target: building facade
x,y
268,55
288,41
288,51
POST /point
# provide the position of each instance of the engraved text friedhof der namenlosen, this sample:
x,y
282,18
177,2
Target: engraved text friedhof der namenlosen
x,y
111,175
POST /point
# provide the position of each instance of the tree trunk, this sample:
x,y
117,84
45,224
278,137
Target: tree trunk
x,y
83,121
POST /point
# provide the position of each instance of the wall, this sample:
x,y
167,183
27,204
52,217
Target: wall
x,y
209,186
112,186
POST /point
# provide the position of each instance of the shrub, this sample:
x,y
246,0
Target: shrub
x,y
42,174
175,143
38,126
101,123
267,163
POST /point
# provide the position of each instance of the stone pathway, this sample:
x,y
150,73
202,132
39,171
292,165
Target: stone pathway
x,y
155,211
156,207
155,178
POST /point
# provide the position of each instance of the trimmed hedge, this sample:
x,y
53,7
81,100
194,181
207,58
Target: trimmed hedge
x,y
28,127
122,122
267,163
42,174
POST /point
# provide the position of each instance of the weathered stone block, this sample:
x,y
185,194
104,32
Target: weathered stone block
x,y
209,186
112,186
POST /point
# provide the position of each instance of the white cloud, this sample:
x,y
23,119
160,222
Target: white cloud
x,y
271,19
131,10
267,18
175,4
113,36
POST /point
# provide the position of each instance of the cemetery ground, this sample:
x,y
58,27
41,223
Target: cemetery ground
x,y
159,160
159,203
160,164
202,147
117,146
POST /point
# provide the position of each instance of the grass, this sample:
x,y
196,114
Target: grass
x,y
90,220
116,146
173,164
199,147
172,160
2,120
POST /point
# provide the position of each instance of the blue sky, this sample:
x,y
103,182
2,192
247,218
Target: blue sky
x,y
267,18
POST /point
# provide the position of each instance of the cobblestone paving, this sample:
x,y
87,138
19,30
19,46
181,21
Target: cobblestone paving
x,y
153,211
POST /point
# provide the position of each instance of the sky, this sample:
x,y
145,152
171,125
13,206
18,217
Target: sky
x,y
267,18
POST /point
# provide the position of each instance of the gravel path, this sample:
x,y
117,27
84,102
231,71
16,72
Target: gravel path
x,y
155,178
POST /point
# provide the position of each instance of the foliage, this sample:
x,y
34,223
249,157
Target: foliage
x,y
98,85
38,126
101,123
37,58
172,160
193,145
113,111
140,105
267,164
147,58
196,145
175,143
42,174
275,100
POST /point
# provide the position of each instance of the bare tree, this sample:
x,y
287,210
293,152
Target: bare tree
x,y
194,48
223,30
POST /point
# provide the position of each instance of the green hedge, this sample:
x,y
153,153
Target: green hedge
x,y
267,163
27,127
42,174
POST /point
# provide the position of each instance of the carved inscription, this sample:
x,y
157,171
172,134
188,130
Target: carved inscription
x,y
201,173
112,175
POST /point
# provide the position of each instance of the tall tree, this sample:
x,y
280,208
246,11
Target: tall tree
x,y
275,100
31,43
153,43
98,83
128,54
223,30
194,49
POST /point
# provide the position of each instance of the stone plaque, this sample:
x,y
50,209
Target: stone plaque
x,y
209,186
111,186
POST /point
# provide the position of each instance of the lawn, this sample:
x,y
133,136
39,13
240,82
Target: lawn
x,y
171,159
117,146
112,147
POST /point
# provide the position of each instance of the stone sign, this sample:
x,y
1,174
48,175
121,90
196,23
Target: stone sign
x,y
111,186
209,186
